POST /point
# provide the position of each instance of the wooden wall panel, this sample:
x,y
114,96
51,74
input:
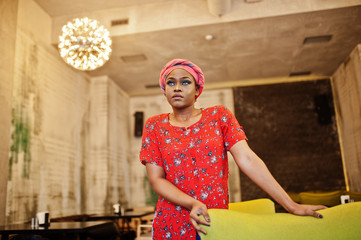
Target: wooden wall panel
x,y
347,91
282,126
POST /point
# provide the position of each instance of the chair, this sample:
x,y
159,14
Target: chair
x,y
143,220
144,232
109,232
144,225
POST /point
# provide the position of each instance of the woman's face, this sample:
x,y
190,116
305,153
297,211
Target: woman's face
x,y
180,89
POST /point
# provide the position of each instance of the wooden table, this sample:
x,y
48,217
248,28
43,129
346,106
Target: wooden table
x,y
69,230
126,218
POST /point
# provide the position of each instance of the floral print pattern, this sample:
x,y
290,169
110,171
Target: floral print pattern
x,y
194,160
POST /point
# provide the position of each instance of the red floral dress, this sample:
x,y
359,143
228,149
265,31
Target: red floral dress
x,y
194,160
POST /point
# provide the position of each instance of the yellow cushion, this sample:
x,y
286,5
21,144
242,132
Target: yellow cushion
x,y
294,196
339,222
321,198
262,205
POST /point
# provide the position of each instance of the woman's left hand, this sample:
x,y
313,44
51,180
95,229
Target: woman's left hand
x,y
307,210
199,208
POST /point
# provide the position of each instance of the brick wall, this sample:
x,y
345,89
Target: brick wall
x,y
283,127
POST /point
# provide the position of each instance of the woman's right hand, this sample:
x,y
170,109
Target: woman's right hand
x,y
199,208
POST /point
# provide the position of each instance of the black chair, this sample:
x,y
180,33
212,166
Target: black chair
x,y
110,232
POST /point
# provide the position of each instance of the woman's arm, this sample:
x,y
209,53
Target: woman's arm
x,y
170,192
257,171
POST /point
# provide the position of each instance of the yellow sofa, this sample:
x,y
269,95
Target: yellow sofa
x,y
259,206
248,223
327,198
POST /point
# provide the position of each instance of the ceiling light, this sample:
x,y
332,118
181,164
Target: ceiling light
x,y
209,37
84,44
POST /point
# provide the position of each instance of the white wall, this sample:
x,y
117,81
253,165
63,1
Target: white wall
x,y
105,176
8,20
69,132
49,100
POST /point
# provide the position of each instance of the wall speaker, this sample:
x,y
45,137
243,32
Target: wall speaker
x,y
139,122
323,109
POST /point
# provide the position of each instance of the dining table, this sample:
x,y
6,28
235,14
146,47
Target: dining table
x,y
123,220
57,230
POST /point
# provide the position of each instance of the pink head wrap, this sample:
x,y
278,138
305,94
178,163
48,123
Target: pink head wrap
x,y
190,67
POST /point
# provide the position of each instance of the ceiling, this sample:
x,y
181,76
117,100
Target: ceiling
x,y
262,47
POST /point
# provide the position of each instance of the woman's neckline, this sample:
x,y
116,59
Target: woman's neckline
x,y
187,127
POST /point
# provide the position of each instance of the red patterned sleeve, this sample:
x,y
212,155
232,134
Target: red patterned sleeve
x,y
232,131
149,152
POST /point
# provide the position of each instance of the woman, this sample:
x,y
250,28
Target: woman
x,y
185,153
